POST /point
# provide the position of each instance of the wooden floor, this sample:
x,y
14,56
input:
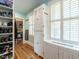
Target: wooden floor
x,y
24,51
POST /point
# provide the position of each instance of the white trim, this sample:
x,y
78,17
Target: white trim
x,y
71,18
61,25
66,45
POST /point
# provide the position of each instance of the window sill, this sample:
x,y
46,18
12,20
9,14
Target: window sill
x,y
62,44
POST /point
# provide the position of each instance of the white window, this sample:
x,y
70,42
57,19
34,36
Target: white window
x,y
31,25
65,20
55,20
30,29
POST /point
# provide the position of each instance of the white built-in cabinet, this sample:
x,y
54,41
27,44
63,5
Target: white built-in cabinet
x,y
56,51
40,28
50,51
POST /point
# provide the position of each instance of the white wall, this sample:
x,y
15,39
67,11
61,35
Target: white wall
x,y
31,37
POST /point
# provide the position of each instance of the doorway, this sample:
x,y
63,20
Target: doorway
x,y
18,30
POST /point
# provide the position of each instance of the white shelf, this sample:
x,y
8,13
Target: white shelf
x,y
5,26
5,53
6,42
5,33
5,7
19,27
3,17
11,57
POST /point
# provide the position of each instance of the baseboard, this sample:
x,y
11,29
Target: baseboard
x,y
39,56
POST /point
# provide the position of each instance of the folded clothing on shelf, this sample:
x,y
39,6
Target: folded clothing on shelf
x,y
6,2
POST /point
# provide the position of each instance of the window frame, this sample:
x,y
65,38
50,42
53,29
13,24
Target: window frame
x,y
62,24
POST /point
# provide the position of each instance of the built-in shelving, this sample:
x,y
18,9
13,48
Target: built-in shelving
x,y
6,26
5,7
6,42
6,31
3,17
19,29
5,53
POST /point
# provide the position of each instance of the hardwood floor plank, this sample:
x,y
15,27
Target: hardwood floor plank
x,y
25,51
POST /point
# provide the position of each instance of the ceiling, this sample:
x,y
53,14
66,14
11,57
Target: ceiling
x,y
25,6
